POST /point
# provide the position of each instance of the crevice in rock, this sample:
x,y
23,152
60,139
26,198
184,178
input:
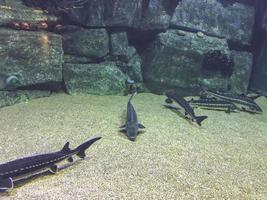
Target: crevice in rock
x,y
52,86
141,39
237,46
258,32
170,5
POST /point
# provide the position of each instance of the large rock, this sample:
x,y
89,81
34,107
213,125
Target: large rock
x,y
175,60
232,21
122,13
91,15
104,78
8,98
92,43
119,13
156,14
34,57
141,14
135,69
119,43
15,11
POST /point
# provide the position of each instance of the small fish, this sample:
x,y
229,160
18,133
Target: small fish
x,y
242,102
213,104
131,126
20,168
185,109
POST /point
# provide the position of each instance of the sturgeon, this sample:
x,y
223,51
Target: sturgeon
x,y
242,102
21,168
184,108
131,127
213,104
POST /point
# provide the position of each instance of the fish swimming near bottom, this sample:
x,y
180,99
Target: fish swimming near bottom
x,y
131,127
213,104
184,107
242,102
20,168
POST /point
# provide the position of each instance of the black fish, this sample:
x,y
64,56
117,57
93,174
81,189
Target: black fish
x,y
131,126
242,102
30,165
186,109
213,104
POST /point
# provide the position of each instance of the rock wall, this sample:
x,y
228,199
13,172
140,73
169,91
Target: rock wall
x,y
259,75
107,47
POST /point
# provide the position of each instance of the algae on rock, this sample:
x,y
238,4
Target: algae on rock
x,y
103,78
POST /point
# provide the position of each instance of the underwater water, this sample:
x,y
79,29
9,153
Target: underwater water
x,y
133,99
225,158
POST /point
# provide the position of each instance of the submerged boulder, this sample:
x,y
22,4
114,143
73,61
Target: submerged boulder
x,y
103,78
91,15
141,14
92,43
188,62
120,13
15,11
119,43
233,21
156,15
33,57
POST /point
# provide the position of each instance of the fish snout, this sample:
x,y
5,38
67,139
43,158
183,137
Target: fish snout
x,y
132,138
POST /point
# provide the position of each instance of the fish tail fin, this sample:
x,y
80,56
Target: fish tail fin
x,y
199,119
81,149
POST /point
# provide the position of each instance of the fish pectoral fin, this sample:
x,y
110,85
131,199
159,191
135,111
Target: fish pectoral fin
x,y
70,159
123,126
81,154
6,184
141,126
53,169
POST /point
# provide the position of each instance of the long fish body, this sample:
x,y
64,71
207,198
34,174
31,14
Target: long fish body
x,y
243,103
186,109
131,127
213,104
30,165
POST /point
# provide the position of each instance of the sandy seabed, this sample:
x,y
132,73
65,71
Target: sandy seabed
x,y
226,158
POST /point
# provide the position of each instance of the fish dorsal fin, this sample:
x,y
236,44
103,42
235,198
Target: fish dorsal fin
x,y
141,126
66,148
